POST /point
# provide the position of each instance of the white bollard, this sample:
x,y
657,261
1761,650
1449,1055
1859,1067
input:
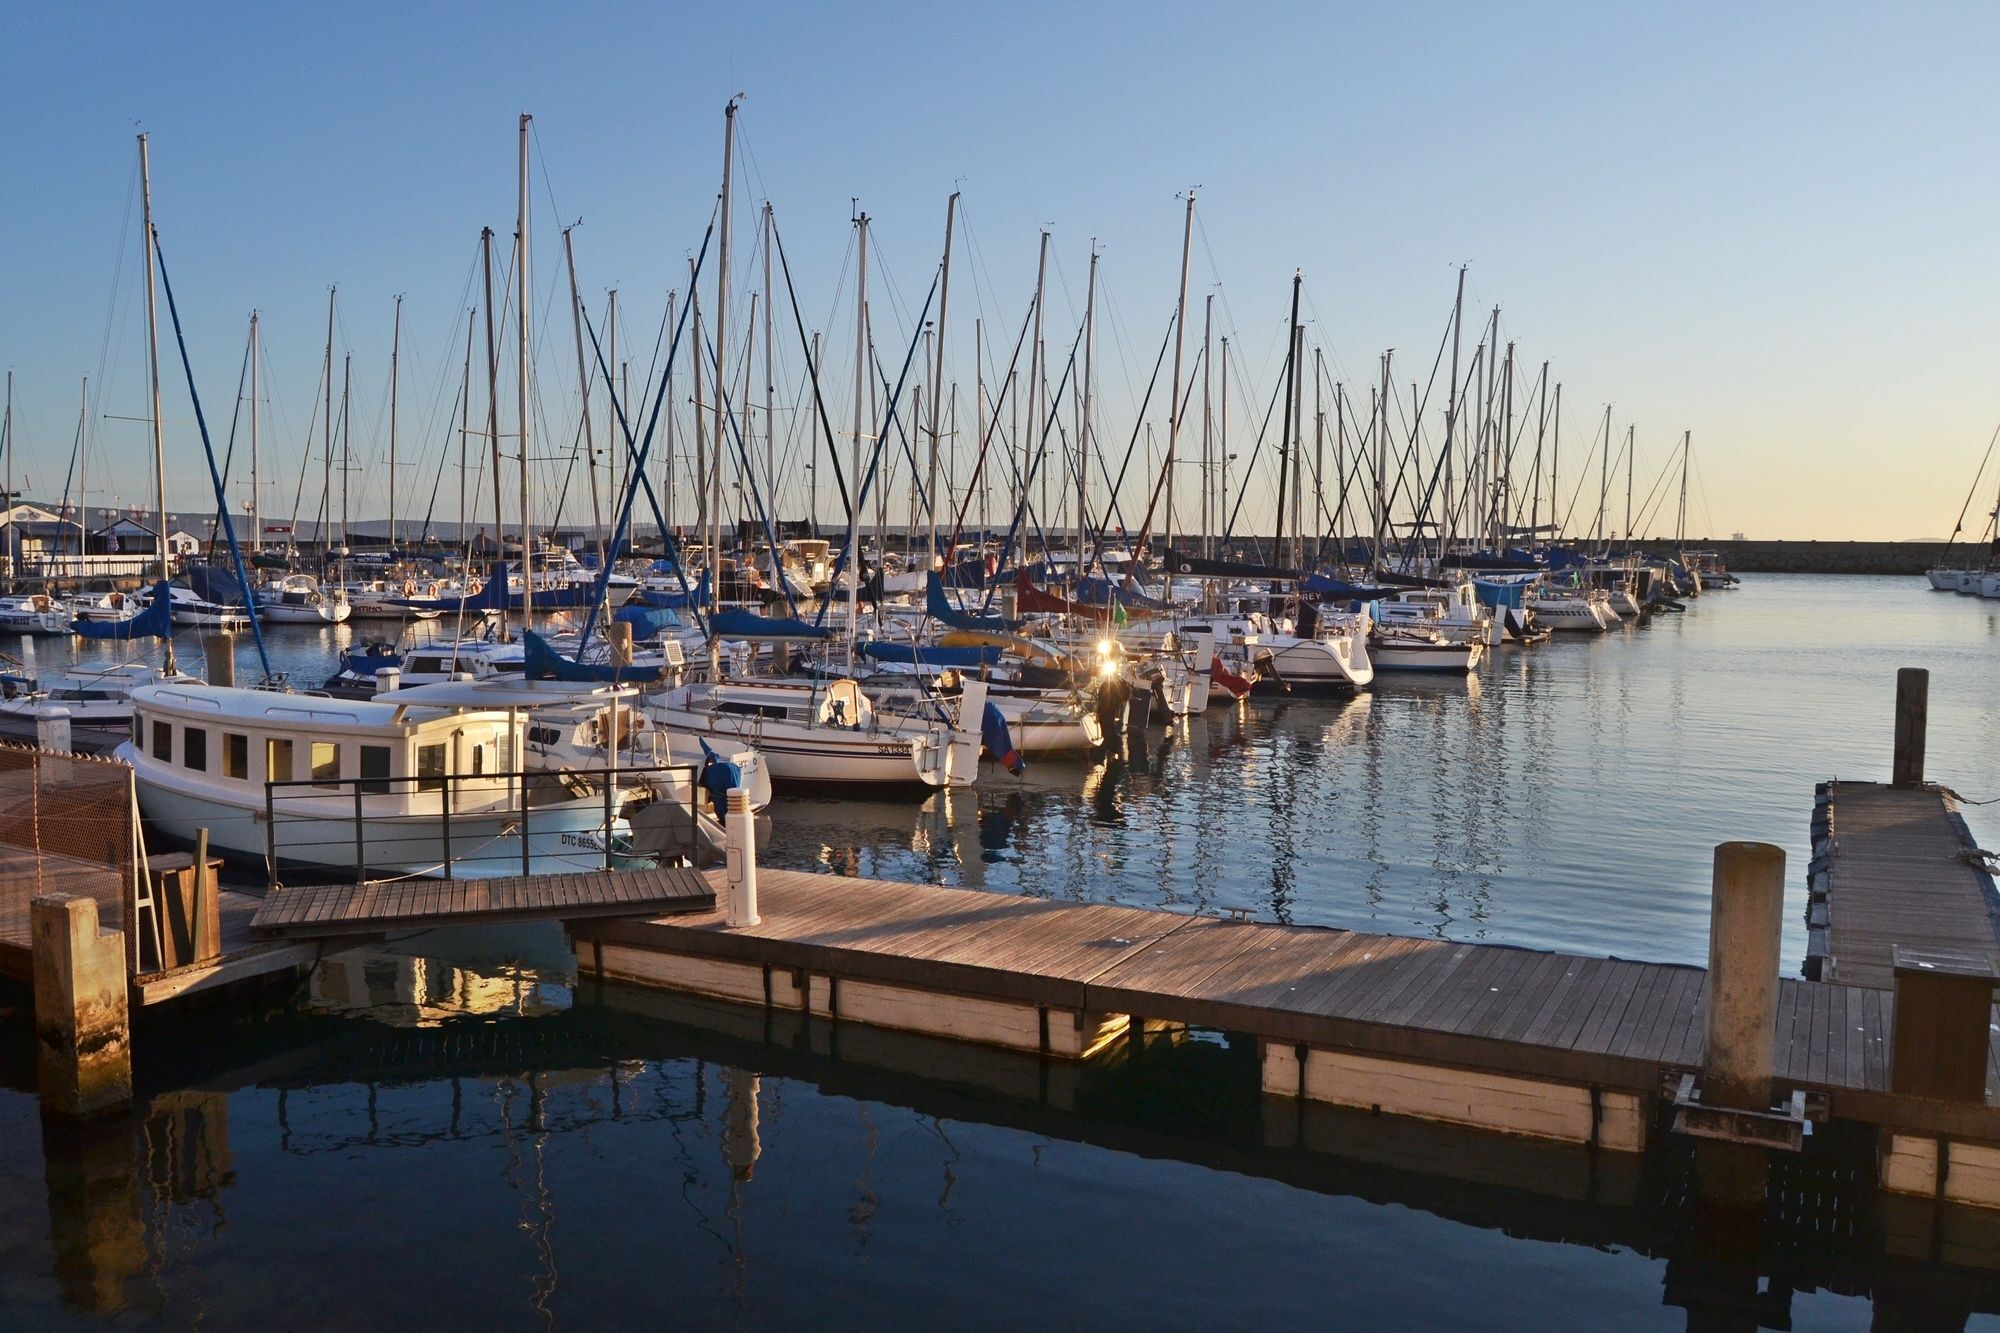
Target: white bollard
x,y
388,678
741,852
52,728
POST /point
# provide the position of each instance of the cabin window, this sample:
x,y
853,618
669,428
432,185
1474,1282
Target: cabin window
x,y
163,742
138,730
194,749
478,760
235,755
277,759
430,767
326,763
375,770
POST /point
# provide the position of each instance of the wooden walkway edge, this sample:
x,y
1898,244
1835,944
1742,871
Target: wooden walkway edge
x,y
319,911
1894,866
877,952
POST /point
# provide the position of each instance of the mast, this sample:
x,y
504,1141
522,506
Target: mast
x,y
721,375
1556,524
1222,438
1285,435
979,420
326,437
1541,432
613,456
937,373
771,399
1382,459
1298,446
1319,441
1604,476
1630,433
1503,452
464,424
395,360
583,387
346,450
673,411
1084,432
1036,353
521,378
860,397
256,491
1174,400
499,564
1207,427
1681,521
153,374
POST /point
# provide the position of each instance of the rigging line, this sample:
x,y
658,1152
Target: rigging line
x,y
805,345
1132,445
229,453
1971,492
881,439
1034,465
992,427
208,449
638,455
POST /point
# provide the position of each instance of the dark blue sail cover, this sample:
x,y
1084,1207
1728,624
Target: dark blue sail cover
x,y
647,622
213,584
542,662
940,609
736,623
1326,586
928,654
155,622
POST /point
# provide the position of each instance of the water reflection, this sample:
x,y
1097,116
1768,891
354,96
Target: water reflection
x,y
659,1154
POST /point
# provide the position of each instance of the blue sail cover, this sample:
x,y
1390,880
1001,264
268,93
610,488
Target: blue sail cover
x,y
155,622
492,596
930,654
647,622
1325,585
736,623
542,662
1494,593
940,609
999,742
677,601
220,586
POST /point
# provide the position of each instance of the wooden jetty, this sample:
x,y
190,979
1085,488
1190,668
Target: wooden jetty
x,y
1894,866
1545,1044
320,911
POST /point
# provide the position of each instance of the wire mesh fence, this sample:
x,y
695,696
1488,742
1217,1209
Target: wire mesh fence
x,y
66,824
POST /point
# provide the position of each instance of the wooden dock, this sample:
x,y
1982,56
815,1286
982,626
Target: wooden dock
x,y
320,911
1519,1040
1894,866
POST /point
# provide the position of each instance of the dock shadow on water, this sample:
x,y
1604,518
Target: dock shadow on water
x,y
450,1131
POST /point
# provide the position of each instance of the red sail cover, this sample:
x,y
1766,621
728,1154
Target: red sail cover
x,y
1227,679
1032,601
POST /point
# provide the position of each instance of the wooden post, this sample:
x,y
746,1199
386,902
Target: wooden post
x,y
221,649
1746,922
1938,1047
618,637
1913,698
83,1050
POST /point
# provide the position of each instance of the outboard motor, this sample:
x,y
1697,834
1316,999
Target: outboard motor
x,y
1113,696
1264,666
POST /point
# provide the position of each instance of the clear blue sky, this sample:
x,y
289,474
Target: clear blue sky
x,y
1771,225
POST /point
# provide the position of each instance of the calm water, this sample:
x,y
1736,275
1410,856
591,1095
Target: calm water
x,y
445,1132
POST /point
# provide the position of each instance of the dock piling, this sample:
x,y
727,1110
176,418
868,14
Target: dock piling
x,y
1913,698
1746,921
220,648
52,728
83,1049
741,850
